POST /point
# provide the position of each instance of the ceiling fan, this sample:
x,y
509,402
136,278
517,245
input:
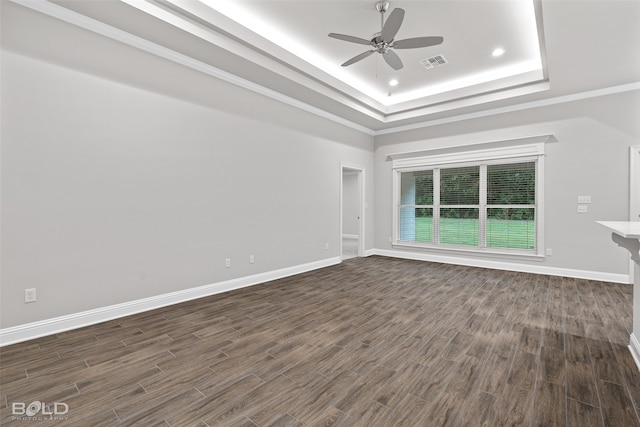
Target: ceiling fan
x,y
383,42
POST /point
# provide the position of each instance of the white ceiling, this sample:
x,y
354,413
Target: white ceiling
x,y
554,49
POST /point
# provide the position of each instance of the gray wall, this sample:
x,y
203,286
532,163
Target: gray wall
x,y
112,193
590,158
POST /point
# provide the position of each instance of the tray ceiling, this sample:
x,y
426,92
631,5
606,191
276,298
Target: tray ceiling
x,y
281,48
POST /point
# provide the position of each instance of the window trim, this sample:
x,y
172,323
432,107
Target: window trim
x,y
483,158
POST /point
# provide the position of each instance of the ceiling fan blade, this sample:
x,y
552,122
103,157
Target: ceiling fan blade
x,y
392,25
351,39
358,58
418,42
393,60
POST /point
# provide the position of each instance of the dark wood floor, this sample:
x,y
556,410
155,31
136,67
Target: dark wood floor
x,y
370,342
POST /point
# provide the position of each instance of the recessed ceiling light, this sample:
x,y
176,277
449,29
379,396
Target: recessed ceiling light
x,y
393,82
498,52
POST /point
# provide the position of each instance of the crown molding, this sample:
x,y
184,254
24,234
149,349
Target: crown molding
x,y
129,39
517,107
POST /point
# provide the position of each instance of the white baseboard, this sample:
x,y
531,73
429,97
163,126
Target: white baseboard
x,y
511,266
634,347
55,325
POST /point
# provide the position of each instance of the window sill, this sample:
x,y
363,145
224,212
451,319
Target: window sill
x,y
484,252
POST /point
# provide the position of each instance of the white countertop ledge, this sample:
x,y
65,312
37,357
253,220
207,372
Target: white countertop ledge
x,y
627,229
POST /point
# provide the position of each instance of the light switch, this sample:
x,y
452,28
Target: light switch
x,y
584,199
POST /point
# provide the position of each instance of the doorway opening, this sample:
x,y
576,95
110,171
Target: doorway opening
x,y
351,211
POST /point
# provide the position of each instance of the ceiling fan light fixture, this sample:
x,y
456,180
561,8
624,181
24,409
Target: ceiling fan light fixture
x,y
384,42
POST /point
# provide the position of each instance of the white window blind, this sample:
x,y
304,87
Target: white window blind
x,y
459,206
511,206
416,206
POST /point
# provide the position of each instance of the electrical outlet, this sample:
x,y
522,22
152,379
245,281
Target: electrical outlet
x,y
583,209
30,295
549,252
252,259
326,246
227,262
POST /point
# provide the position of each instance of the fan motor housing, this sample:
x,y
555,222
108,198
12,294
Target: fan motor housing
x,y
376,39
379,44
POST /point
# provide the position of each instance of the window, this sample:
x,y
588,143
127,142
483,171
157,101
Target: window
x,y
486,205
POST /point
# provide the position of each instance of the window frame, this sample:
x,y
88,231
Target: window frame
x,y
477,158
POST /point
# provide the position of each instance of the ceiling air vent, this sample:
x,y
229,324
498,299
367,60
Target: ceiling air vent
x,y
434,61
